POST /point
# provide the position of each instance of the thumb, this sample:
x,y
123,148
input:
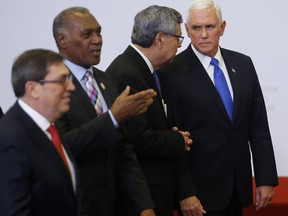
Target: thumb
x,y
257,197
175,128
126,91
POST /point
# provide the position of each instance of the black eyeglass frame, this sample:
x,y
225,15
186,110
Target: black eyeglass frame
x,y
180,37
63,81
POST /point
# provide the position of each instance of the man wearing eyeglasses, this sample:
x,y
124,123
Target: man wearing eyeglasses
x,y
156,35
38,175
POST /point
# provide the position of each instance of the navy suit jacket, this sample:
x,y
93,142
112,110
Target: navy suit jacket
x,y
220,154
158,147
34,180
104,160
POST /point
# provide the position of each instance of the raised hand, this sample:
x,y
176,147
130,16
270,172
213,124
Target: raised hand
x,y
126,106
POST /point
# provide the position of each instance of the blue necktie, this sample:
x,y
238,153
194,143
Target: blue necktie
x,y
222,87
157,82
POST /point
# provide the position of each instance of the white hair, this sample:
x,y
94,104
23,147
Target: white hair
x,y
204,4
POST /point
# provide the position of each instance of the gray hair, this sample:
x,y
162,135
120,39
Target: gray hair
x,y
152,20
31,66
205,4
62,19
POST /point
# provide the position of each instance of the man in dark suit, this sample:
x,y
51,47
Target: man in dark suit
x,y
35,178
223,130
156,36
92,127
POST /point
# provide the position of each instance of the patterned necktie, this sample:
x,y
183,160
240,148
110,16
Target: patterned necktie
x,y
222,87
92,92
157,82
58,144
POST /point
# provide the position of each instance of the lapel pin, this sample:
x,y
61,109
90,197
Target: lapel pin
x,y
233,70
102,86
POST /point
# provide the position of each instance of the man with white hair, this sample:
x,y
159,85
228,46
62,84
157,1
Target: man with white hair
x,y
214,93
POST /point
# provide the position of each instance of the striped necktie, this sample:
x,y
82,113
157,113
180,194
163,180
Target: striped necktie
x,y
92,92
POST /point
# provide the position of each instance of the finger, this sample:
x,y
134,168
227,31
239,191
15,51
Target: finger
x,y
184,213
199,213
144,95
144,104
188,212
187,133
261,205
189,142
140,111
268,201
175,128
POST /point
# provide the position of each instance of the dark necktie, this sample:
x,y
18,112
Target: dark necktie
x,y
58,144
157,82
222,87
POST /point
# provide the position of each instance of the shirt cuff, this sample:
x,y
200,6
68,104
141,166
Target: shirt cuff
x,y
113,119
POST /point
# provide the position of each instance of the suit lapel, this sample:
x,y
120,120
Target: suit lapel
x,y
145,72
234,81
83,99
103,86
200,74
144,69
38,138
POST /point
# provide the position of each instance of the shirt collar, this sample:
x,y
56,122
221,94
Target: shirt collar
x,y
205,60
77,70
39,119
149,64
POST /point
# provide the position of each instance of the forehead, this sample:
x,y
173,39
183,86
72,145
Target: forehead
x,y
82,21
204,16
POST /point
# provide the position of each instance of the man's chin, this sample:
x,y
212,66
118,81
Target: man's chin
x,y
95,60
65,108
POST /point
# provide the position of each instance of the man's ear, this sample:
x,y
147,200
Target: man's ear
x,y
61,41
31,89
159,39
223,26
187,29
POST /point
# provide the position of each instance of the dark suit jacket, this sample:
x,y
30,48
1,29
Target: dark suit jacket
x,y
157,146
100,153
220,153
34,179
1,112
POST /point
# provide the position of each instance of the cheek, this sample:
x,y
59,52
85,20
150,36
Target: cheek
x,y
194,38
77,46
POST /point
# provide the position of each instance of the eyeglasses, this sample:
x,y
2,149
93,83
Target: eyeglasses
x,y
63,81
180,37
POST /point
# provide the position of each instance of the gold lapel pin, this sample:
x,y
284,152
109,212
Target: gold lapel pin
x,y
102,86
233,70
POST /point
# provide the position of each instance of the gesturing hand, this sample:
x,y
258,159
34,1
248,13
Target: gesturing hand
x,y
126,106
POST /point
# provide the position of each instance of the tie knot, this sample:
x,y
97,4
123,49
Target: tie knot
x,y
52,129
88,75
214,62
